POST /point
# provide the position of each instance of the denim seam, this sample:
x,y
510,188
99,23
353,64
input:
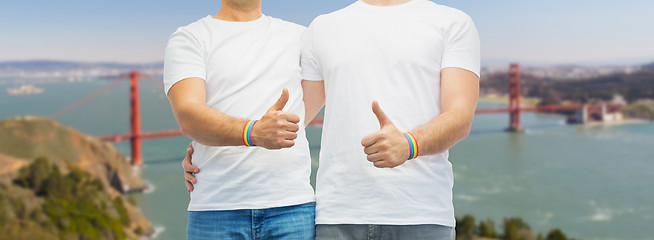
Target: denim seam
x,y
263,221
252,227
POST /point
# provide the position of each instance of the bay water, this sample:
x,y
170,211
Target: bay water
x,y
593,182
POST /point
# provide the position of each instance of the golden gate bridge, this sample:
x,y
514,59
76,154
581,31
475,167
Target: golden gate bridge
x,y
135,136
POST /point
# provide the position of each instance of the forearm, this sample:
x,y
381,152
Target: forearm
x,y
389,147
209,126
444,131
275,130
459,96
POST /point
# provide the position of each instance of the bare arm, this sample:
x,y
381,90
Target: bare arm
x,y
389,148
199,121
208,126
459,96
314,99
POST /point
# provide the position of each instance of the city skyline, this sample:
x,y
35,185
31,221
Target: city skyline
x,y
550,32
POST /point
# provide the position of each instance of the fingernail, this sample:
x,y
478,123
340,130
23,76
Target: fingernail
x,y
197,170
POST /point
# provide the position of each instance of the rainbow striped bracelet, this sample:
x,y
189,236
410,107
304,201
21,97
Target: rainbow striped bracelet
x,y
413,145
247,130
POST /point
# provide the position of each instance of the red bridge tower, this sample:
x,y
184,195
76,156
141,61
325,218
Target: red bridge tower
x,y
514,98
135,119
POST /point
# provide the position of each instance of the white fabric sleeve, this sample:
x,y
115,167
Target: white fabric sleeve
x,y
462,47
183,59
310,67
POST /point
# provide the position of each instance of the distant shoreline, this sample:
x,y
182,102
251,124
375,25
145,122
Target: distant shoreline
x,y
529,102
618,123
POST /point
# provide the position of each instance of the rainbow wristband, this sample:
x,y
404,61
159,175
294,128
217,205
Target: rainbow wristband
x,y
247,130
413,145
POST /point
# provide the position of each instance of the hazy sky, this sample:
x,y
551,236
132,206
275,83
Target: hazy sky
x,y
553,31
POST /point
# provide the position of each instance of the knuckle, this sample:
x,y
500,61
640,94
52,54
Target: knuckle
x,y
279,143
279,133
367,150
279,124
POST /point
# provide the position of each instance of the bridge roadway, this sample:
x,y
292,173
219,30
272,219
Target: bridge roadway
x,y
319,121
530,109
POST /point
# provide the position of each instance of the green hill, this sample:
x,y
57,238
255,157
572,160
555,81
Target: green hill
x,y
56,183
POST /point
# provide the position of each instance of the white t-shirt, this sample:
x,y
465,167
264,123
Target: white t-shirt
x,y
245,65
395,55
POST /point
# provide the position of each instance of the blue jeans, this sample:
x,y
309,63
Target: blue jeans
x,y
290,222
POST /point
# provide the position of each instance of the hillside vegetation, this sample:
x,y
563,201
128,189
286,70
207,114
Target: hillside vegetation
x,y
634,86
56,183
643,109
512,229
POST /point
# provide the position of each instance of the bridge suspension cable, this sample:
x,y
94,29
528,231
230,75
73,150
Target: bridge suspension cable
x,y
89,98
151,79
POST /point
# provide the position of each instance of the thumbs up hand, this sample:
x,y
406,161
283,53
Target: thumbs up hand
x,y
388,147
276,129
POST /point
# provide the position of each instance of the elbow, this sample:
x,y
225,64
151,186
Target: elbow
x,y
189,130
187,126
465,132
466,128
182,115
184,131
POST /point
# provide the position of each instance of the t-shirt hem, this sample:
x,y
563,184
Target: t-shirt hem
x,y
178,78
404,221
261,205
312,77
469,67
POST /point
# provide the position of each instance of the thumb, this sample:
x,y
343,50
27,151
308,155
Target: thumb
x,y
381,116
281,102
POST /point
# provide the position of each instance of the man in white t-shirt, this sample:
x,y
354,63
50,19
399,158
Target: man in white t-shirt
x,y
220,73
401,81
